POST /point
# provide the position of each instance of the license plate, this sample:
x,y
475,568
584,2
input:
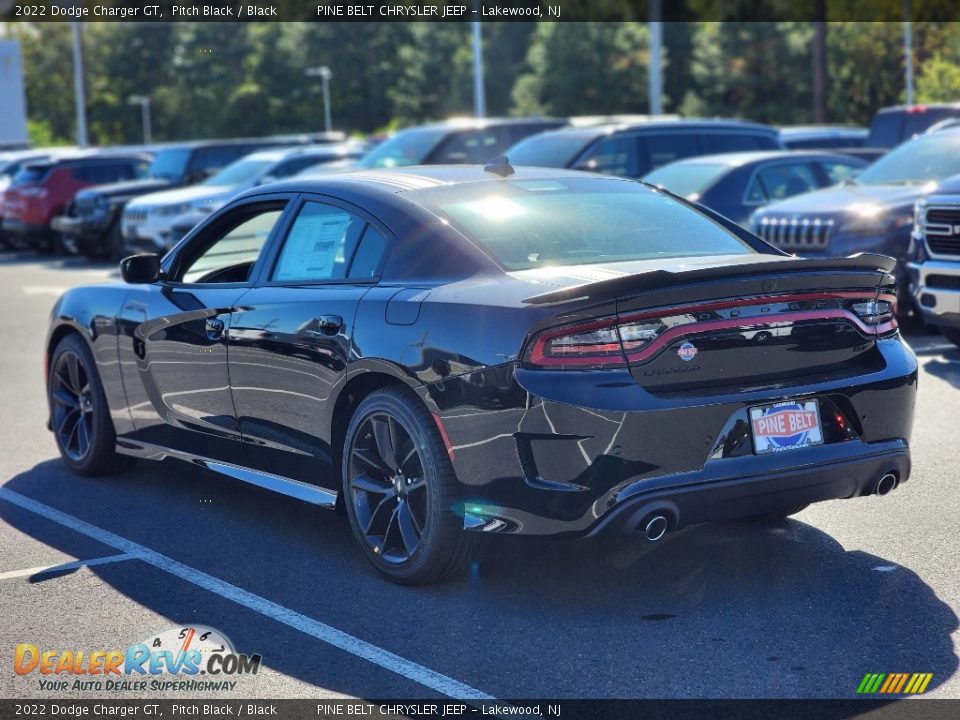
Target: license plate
x,y
785,426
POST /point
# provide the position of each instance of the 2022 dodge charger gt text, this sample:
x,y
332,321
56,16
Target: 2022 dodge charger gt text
x,y
450,351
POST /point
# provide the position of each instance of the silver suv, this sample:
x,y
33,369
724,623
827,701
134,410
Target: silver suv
x,y
935,266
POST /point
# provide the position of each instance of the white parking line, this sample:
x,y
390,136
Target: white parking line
x,y
63,567
325,633
44,290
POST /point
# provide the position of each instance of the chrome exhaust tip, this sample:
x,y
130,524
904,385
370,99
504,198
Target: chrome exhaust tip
x,y
885,484
656,528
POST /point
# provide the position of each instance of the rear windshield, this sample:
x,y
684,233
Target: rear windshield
x,y
528,224
891,128
687,179
547,150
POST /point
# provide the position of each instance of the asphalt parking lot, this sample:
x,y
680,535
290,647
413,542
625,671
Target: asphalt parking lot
x,y
802,609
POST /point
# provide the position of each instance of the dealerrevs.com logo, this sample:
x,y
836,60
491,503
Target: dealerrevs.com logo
x,y
185,659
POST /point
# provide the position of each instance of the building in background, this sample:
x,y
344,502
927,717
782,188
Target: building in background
x,y
13,109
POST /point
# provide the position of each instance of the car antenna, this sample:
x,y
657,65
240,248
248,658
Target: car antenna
x,y
500,165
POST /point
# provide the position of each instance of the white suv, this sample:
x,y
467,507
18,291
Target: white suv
x,y
935,270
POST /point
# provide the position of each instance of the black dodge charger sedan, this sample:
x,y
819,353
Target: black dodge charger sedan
x,y
449,351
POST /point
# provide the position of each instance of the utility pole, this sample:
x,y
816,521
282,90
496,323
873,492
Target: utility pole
x,y
655,71
144,102
908,51
79,95
819,61
324,73
479,93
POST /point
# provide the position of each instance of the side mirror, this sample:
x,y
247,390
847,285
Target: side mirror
x,y
140,269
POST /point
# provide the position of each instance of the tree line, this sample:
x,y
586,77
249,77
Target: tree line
x,y
221,80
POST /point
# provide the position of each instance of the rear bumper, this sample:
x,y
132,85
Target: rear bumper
x,y
936,289
530,464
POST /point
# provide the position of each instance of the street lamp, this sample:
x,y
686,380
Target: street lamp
x,y
324,73
144,102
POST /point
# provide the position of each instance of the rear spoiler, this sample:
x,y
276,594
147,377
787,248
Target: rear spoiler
x,y
614,287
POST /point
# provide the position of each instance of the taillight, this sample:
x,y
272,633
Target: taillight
x,y
879,315
595,344
33,192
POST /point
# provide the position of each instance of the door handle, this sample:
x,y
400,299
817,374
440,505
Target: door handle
x,y
214,328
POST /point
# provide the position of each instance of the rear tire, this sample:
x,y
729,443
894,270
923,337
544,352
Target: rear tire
x,y
79,414
952,334
401,493
114,248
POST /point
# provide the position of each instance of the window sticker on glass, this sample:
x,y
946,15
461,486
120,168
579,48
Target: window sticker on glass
x,y
314,249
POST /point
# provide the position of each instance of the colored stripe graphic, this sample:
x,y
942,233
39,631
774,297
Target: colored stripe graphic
x,y
894,683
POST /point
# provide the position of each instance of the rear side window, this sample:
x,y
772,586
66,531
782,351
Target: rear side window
x,y
785,180
617,156
319,246
739,142
838,172
369,253
470,146
667,147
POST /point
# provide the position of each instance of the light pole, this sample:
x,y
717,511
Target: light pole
x,y
479,96
79,96
144,102
655,71
324,73
907,52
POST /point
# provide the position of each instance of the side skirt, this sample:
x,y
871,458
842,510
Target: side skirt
x,y
275,483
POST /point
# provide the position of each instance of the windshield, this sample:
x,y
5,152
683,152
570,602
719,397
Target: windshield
x,y
242,172
687,179
550,150
927,159
169,164
528,224
409,147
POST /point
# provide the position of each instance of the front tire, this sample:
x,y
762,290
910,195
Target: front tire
x,y
400,491
79,415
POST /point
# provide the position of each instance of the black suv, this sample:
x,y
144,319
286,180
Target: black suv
x,y
634,149
91,225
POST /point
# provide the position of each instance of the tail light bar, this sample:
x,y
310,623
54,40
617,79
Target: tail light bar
x,y
613,342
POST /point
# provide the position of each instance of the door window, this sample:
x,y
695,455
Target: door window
x,y
787,179
617,156
837,172
323,245
470,146
667,147
229,254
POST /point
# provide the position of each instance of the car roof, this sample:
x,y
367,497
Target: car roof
x,y
814,131
87,157
919,108
320,151
740,159
417,177
658,123
468,123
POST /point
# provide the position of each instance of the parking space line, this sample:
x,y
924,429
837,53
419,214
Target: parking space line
x,y
63,567
325,633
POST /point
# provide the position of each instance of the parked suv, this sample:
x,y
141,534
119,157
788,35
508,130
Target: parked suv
x,y
935,267
634,149
157,221
893,125
454,142
41,191
92,224
870,213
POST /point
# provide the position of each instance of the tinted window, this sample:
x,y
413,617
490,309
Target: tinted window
x,y
232,252
242,172
469,146
32,173
885,130
529,224
738,142
295,165
170,164
369,253
408,147
209,159
667,147
319,245
100,173
785,180
617,156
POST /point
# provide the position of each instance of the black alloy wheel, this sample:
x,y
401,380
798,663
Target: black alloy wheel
x,y
79,416
387,488
400,490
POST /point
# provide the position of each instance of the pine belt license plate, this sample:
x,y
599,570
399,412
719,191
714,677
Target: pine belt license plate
x,y
785,426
